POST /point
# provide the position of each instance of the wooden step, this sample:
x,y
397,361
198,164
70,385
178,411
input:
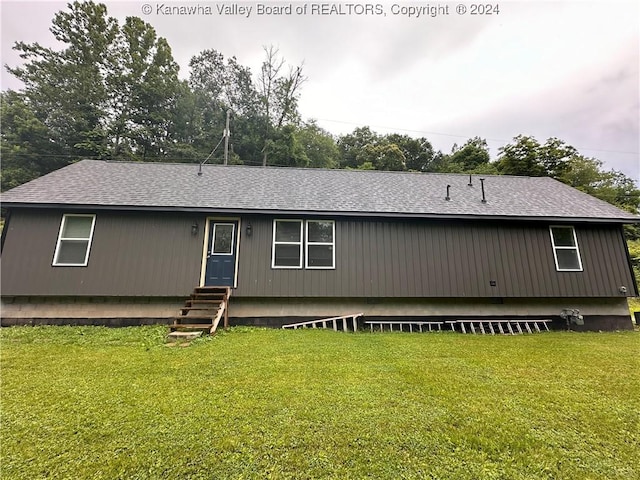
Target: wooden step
x,y
192,326
210,290
203,308
207,296
201,302
191,318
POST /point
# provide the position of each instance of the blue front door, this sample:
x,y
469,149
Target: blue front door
x,y
221,253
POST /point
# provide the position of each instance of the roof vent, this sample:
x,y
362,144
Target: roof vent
x,y
470,184
447,198
484,200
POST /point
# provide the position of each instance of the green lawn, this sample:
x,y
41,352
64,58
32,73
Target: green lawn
x,y
86,402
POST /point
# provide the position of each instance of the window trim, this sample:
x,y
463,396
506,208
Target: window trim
x,y
332,244
274,243
89,240
555,249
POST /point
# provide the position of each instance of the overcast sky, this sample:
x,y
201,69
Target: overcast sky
x,y
542,68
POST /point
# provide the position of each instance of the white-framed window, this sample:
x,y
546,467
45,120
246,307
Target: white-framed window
x,y
320,251
566,252
74,240
287,244
316,241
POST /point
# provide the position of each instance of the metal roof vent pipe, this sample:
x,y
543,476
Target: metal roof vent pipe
x,y
484,200
470,184
447,198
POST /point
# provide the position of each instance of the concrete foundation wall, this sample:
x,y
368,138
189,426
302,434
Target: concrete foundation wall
x,y
296,307
599,313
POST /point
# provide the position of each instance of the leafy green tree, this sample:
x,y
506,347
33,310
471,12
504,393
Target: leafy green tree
x,y
285,150
67,89
278,92
26,147
383,156
417,152
586,174
351,145
319,146
219,86
521,158
109,92
147,90
473,154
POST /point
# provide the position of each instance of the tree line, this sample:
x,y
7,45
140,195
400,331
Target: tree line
x,y
112,91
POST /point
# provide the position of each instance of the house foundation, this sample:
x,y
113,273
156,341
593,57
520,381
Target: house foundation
x,y
599,313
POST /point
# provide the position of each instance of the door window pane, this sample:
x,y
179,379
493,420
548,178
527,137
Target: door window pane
x,y
223,238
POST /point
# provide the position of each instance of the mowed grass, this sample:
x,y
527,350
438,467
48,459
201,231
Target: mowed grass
x,y
90,402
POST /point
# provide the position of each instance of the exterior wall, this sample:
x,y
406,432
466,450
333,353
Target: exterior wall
x,y
155,254
430,258
132,254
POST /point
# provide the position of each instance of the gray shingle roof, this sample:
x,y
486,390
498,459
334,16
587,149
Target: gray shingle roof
x,y
163,186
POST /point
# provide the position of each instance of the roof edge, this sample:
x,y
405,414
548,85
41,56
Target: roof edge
x,y
236,211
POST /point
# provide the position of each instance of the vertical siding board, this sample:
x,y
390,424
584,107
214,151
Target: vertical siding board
x,y
400,239
426,255
545,275
592,264
485,264
534,261
417,259
498,255
622,276
441,260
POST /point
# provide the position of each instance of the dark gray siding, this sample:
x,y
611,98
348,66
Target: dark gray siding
x,y
155,254
440,259
131,255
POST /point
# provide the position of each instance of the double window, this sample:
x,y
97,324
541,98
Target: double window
x,y
74,240
298,242
565,249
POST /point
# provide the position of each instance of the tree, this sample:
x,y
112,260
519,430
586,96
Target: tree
x,y
383,156
145,92
473,154
319,146
521,158
278,93
417,152
586,174
110,92
26,143
351,144
67,89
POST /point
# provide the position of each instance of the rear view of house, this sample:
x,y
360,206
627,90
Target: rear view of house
x,y
125,243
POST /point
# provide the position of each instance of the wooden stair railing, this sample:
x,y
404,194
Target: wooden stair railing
x,y
204,310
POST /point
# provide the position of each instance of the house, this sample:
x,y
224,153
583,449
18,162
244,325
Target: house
x,y
122,243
